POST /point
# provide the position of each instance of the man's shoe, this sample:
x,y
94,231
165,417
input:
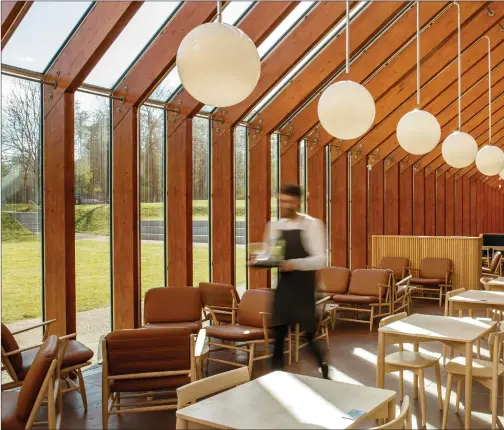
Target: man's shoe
x,y
325,371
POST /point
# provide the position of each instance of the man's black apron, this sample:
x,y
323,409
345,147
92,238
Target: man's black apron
x,y
295,294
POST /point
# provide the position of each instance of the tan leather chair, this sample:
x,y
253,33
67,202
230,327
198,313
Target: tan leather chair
x,y
371,292
398,265
145,363
251,330
332,280
173,307
223,299
494,267
18,361
434,276
20,408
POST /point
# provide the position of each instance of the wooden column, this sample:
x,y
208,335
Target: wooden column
x,y
259,202
317,188
450,206
406,200
289,166
59,215
375,208
419,202
392,199
458,205
430,204
223,222
339,211
466,205
480,196
179,244
474,207
358,213
440,204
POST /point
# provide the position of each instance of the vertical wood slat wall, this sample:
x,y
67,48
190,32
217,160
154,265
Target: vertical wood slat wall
x,y
465,253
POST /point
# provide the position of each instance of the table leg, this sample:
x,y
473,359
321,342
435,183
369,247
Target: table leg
x,y
468,385
391,410
380,368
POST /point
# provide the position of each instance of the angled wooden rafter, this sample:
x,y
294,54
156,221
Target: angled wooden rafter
x,y
13,13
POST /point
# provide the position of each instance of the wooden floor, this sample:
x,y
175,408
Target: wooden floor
x,y
352,353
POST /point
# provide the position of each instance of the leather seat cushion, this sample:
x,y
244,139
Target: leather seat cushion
x,y
149,384
9,405
235,332
351,299
195,327
486,270
427,281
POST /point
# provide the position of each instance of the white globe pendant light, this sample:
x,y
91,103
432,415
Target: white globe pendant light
x,y
459,149
346,109
418,132
501,174
490,159
218,64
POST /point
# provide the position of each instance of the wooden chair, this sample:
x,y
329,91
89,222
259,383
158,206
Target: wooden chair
x,y
494,267
18,361
370,292
434,276
449,295
398,265
332,280
251,330
402,421
323,320
222,299
173,307
485,282
483,371
402,296
40,386
194,391
415,362
146,363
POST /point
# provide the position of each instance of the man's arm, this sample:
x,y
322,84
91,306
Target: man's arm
x,y
314,241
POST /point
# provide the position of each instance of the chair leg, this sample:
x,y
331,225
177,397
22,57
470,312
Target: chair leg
x,y
437,368
401,384
441,296
459,394
415,386
82,389
297,342
251,359
478,349
371,319
289,344
327,335
447,400
105,403
421,378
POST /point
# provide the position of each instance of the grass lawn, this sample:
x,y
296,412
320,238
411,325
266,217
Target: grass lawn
x,y
21,275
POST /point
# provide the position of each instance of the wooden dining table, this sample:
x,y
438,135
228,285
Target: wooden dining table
x,y
497,282
459,332
283,400
476,299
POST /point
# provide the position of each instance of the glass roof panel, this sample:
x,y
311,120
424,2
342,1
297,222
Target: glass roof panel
x,y
37,40
171,84
135,37
305,61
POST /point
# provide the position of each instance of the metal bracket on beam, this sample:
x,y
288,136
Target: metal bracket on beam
x,y
389,159
52,83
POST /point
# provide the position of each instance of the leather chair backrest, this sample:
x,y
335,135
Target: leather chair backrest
x,y
32,384
365,282
213,294
396,264
333,280
9,344
172,305
252,303
496,259
435,268
147,350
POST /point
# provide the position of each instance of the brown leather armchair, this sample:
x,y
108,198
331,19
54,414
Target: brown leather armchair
x,y
371,292
173,307
332,280
20,407
223,299
251,329
398,265
18,361
434,276
147,364
494,267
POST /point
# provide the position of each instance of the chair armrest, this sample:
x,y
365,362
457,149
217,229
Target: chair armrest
x,y
220,308
69,336
18,351
200,343
325,299
45,323
404,281
383,285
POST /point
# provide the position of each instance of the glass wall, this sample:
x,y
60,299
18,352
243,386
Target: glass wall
x,y
275,189
152,209
201,200
92,218
22,277
241,174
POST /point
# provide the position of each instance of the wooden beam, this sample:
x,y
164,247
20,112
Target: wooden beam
x,y
474,206
467,208
317,186
430,205
440,204
82,52
406,200
339,211
358,223
13,13
450,206
418,202
376,203
392,200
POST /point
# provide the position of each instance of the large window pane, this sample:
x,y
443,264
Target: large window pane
x,y
152,225
42,32
241,150
201,202
144,25
21,207
92,218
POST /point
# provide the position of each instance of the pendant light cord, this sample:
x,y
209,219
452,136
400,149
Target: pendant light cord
x,y
347,38
489,90
418,51
219,12
459,71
